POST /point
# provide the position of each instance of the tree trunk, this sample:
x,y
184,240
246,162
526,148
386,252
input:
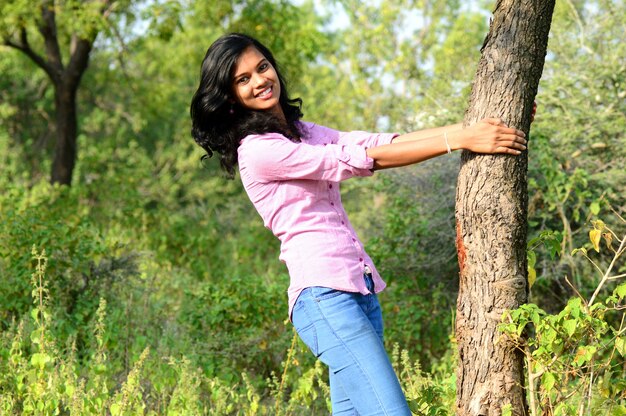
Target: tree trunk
x,y
66,131
491,212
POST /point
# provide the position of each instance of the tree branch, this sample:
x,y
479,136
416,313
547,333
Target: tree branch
x,y
48,30
79,60
24,47
81,48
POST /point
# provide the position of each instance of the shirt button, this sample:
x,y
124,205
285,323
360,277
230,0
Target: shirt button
x,y
354,240
332,204
360,258
330,186
343,223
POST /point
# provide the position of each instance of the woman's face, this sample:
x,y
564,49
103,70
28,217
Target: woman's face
x,y
255,84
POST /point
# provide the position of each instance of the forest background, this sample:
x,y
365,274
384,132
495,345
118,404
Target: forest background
x,y
150,285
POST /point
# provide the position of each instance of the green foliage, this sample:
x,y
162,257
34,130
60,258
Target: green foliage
x,y
577,155
551,241
41,217
39,378
426,395
25,103
378,70
416,221
572,355
240,324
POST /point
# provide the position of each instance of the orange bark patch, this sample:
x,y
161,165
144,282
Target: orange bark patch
x,y
460,248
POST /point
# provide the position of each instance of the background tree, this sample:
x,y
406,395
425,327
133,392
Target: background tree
x,y
73,26
492,213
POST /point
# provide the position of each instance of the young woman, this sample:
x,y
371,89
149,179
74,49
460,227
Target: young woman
x,y
291,171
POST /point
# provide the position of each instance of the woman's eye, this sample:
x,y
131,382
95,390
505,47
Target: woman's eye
x,y
242,80
263,67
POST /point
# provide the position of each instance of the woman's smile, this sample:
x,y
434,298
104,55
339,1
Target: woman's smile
x,y
266,93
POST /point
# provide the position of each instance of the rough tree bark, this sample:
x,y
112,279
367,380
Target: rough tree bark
x,y
64,78
491,212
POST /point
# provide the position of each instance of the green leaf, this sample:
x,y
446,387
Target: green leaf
x,y
554,246
547,381
39,360
532,258
570,326
574,306
115,409
598,224
414,406
619,411
620,291
620,345
34,313
594,208
536,316
35,336
584,354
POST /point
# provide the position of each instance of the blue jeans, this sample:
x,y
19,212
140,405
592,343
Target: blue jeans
x,y
345,331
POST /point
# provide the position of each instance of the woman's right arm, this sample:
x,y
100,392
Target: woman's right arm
x,y
489,136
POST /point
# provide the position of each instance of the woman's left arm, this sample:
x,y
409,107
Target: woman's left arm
x,y
426,133
437,131
489,136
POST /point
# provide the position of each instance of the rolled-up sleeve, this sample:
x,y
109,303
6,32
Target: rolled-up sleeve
x,y
363,138
359,138
273,157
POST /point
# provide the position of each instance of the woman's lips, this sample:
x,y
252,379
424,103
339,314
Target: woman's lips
x,y
266,93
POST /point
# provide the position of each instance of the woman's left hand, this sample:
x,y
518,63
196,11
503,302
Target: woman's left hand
x,y
489,136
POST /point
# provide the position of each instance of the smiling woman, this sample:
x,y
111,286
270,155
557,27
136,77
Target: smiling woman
x,y
256,82
220,119
291,171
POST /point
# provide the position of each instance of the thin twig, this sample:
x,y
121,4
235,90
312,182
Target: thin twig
x,y
590,388
592,262
531,384
574,289
615,212
608,271
284,376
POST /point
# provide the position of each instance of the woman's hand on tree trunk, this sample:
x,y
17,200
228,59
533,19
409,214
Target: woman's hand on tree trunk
x,y
489,136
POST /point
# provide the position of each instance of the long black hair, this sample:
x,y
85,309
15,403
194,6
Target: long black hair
x,y
218,121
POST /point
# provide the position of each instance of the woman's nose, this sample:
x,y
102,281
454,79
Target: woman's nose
x,y
258,80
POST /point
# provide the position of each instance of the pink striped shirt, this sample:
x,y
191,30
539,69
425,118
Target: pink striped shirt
x,y
295,189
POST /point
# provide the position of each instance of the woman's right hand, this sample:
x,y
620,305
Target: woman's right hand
x,y
489,136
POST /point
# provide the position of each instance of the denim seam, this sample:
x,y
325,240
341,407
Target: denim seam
x,y
312,324
380,402
333,294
